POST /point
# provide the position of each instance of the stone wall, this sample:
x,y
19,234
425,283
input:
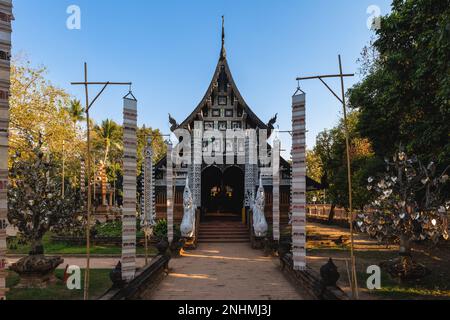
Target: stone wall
x,y
143,284
309,281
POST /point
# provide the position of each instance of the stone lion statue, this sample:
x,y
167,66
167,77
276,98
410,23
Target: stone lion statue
x,y
187,227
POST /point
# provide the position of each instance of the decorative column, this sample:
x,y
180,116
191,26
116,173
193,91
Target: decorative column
x,y
129,187
251,168
299,180
104,181
169,187
197,152
5,46
276,188
149,194
83,182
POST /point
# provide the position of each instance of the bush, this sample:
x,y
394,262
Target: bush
x,y
112,229
160,230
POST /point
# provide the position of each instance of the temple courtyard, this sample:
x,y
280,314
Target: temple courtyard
x,y
219,271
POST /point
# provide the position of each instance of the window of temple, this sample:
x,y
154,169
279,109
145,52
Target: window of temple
x,y
223,100
236,125
209,125
223,125
240,111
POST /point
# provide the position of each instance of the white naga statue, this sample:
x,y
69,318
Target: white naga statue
x,y
260,225
187,227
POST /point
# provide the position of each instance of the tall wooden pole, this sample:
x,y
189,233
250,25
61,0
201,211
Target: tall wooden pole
x,y
89,197
86,85
350,192
341,75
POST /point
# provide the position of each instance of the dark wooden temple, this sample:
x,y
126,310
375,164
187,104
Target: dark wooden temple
x,y
223,186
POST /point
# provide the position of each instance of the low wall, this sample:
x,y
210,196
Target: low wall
x,y
81,241
145,281
310,282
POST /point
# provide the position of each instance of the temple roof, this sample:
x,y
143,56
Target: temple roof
x,y
222,64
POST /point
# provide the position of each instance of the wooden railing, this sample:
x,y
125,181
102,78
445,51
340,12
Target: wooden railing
x,y
322,211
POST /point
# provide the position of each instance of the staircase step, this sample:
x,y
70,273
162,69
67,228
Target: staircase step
x,y
220,231
230,232
224,241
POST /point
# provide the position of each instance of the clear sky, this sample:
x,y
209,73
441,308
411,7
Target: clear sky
x,y
169,50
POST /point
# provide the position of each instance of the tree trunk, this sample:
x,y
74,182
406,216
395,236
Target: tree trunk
x,y
36,247
405,252
331,214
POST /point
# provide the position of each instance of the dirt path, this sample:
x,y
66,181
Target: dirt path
x,y
225,272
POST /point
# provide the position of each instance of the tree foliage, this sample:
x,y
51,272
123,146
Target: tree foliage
x,y
410,205
35,202
405,97
331,150
39,111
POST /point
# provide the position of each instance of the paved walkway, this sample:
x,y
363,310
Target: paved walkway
x,y
225,272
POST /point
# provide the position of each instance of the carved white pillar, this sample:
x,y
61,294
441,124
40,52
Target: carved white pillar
x,y
197,164
129,187
5,34
83,181
299,180
170,193
251,166
276,188
148,186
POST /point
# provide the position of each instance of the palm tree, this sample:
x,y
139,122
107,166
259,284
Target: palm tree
x,y
107,132
76,112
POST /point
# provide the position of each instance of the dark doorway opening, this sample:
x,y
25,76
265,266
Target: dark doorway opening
x,y
211,189
233,181
222,193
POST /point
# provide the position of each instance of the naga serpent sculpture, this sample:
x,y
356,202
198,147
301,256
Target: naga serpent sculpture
x,y
260,225
187,227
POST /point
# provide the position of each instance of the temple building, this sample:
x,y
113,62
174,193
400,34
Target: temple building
x,y
6,17
222,188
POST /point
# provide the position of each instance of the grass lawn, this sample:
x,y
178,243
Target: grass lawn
x,y
99,283
64,249
435,286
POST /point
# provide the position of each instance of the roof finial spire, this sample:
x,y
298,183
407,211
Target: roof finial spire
x,y
223,53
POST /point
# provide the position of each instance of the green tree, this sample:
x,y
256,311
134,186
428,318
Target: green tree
x,y
38,110
35,203
76,112
314,170
109,136
404,96
331,150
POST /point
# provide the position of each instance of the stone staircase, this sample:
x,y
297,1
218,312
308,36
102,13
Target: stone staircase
x,y
222,230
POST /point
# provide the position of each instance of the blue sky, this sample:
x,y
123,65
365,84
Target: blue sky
x,y
169,50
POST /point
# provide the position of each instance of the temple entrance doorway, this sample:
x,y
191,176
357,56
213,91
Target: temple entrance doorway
x,y
222,192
